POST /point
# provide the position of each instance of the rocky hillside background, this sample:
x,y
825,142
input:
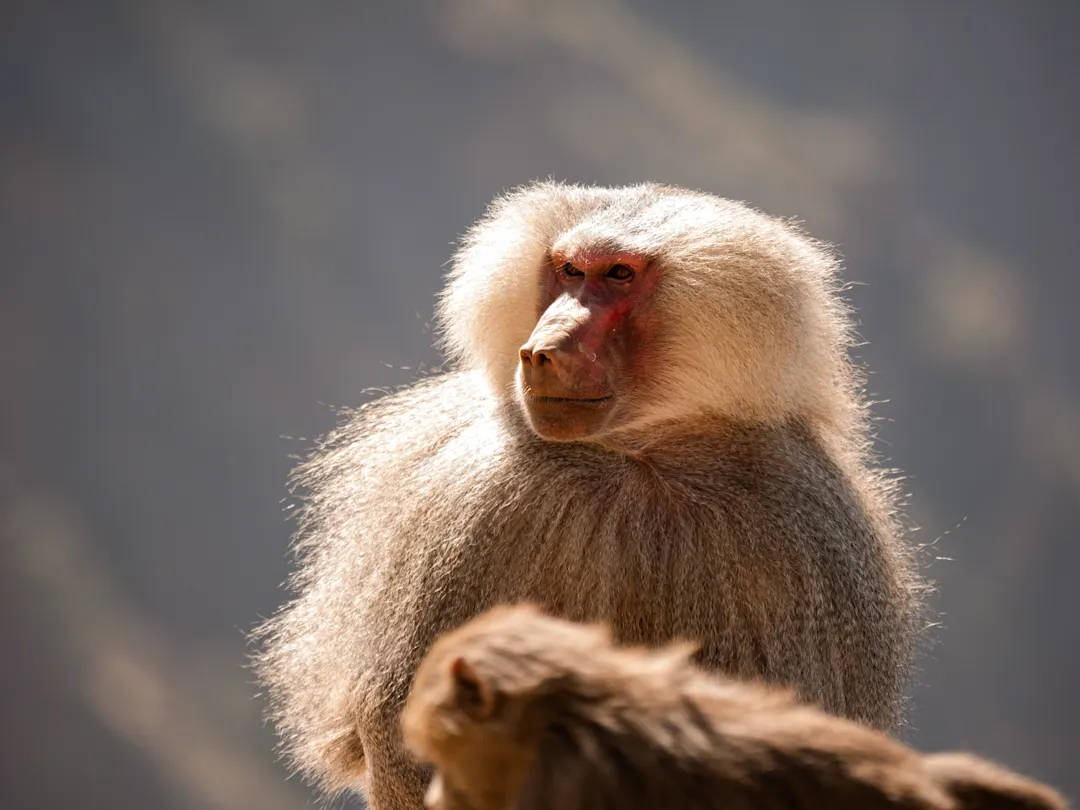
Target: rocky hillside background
x,y
217,220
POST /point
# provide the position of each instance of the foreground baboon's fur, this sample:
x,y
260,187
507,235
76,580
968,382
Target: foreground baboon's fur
x,y
651,420
520,711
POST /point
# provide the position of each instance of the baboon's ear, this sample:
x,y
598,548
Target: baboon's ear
x,y
474,694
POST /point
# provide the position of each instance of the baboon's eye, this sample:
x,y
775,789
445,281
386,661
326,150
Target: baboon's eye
x,y
569,270
620,272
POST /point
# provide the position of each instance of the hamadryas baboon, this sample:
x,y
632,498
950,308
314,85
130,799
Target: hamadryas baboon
x,y
651,419
520,711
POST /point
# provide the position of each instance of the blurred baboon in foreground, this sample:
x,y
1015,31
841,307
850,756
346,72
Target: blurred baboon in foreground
x,y
520,711
652,420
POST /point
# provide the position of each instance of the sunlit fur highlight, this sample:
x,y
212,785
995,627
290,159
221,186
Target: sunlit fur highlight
x,y
736,504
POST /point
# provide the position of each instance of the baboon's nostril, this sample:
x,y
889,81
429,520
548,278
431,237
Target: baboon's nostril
x,y
535,358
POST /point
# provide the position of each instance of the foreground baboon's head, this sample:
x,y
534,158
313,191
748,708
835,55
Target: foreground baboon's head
x,y
489,692
606,310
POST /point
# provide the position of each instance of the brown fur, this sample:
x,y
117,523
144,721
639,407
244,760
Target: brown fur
x,y
518,710
733,501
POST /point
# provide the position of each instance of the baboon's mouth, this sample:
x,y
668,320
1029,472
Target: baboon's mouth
x,y
571,400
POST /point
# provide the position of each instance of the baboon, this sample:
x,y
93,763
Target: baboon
x,y
651,418
520,711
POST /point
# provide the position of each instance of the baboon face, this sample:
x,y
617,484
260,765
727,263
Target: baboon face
x,y
577,366
603,314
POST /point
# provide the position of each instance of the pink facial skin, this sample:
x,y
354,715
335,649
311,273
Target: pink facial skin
x,y
575,362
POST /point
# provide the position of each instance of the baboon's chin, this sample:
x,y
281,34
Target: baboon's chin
x,y
567,420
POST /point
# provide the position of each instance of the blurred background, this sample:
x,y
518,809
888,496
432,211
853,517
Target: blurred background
x,y
220,220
